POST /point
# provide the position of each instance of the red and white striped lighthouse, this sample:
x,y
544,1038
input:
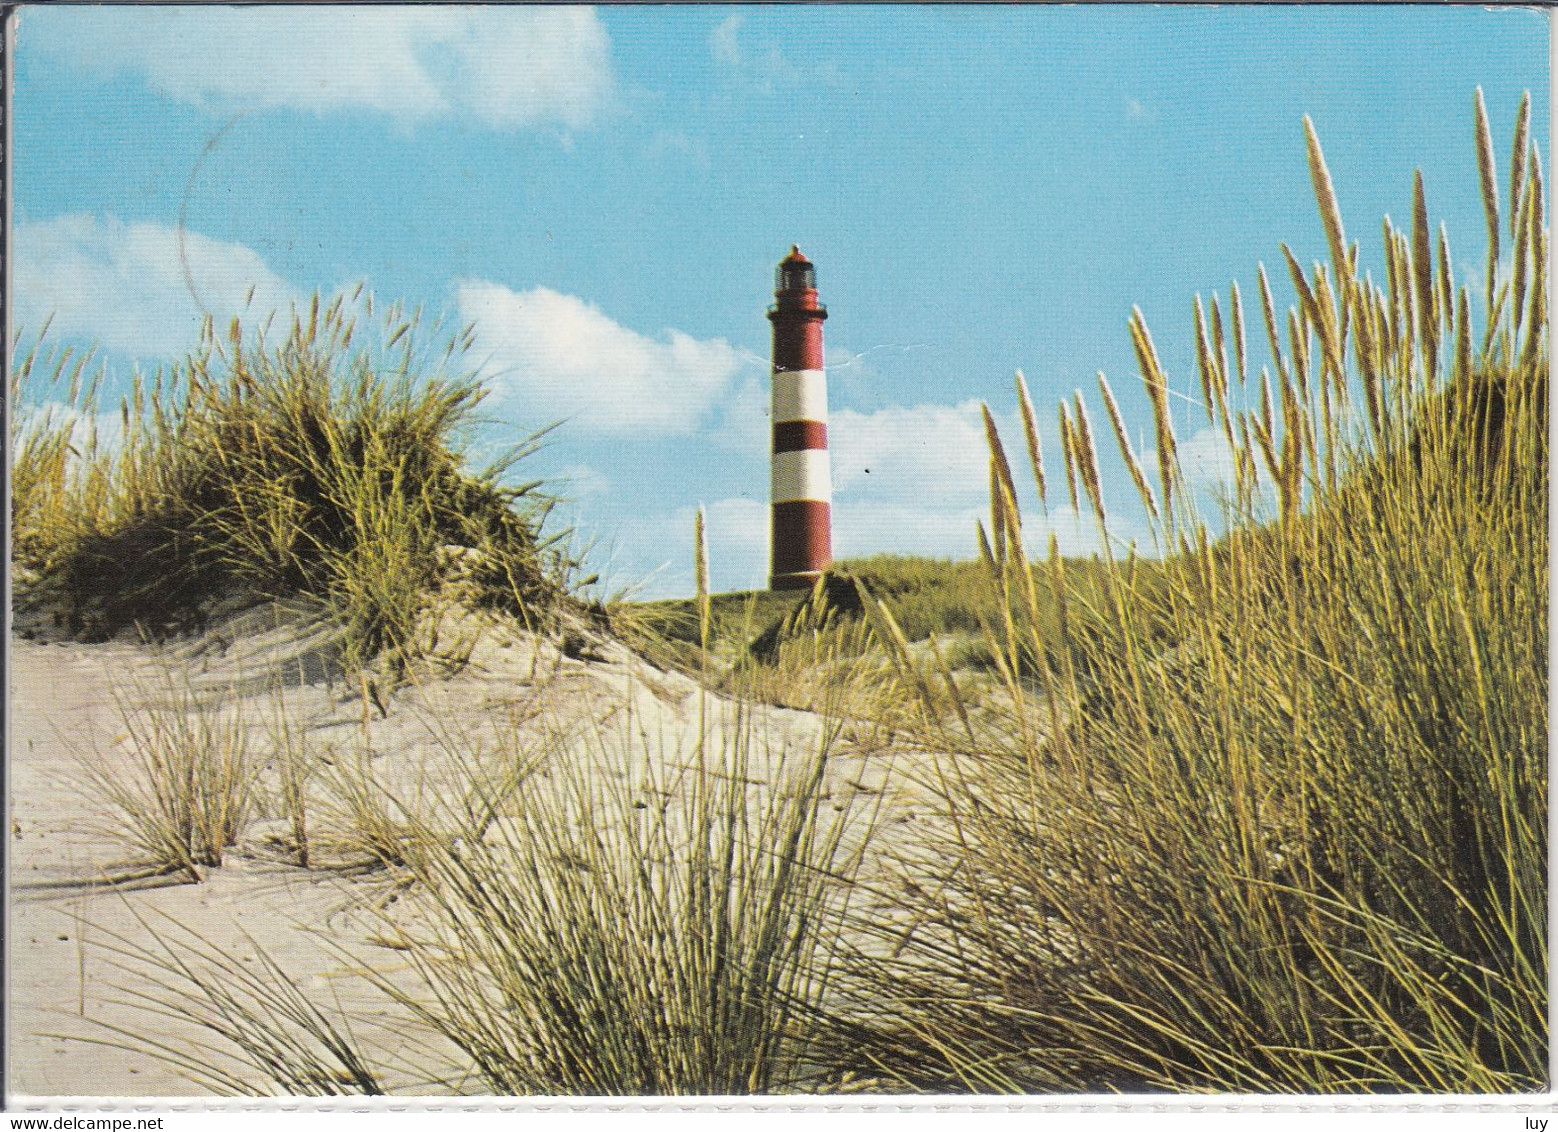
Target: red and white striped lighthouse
x,y
801,483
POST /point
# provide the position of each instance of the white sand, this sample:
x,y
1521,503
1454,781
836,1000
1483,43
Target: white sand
x,y
65,996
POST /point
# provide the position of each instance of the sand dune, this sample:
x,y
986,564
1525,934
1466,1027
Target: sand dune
x,y
66,994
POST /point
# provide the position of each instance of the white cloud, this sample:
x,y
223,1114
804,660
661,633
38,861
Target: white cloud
x,y
654,553
724,40
675,144
764,66
738,534
89,434
1206,461
743,428
660,547
907,480
561,357
508,66
133,287
737,531
937,529
934,529
924,453
579,481
917,480
1206,464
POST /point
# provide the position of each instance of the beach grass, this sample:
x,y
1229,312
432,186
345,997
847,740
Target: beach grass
x,y
1291,834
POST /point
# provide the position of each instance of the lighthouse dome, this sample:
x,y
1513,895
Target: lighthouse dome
x,y
795,273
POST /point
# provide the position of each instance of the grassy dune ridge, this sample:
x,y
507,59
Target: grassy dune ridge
x,y
1262,811
323,465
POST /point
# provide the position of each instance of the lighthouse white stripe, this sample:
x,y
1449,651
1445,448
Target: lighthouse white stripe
x,y
801,395
801,475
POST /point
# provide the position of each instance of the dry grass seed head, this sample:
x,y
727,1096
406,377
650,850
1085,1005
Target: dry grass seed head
x,y
1489,175
1030,431
1423,272
1157,390
1517,156
1236,304
1087,459
1069,454
1203,360
1143,488
1325,195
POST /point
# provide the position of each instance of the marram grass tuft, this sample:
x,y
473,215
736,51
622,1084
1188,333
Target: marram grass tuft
x,y
323,466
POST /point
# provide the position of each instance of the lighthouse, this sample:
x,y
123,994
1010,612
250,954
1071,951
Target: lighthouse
x,y
802,486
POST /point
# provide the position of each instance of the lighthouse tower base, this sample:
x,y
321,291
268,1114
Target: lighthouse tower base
x,y
802,543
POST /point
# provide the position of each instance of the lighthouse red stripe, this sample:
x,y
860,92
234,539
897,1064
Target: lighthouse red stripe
x,y
801,539
799,436
798,343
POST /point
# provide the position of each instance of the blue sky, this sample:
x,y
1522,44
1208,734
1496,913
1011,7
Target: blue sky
x,y
605,192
